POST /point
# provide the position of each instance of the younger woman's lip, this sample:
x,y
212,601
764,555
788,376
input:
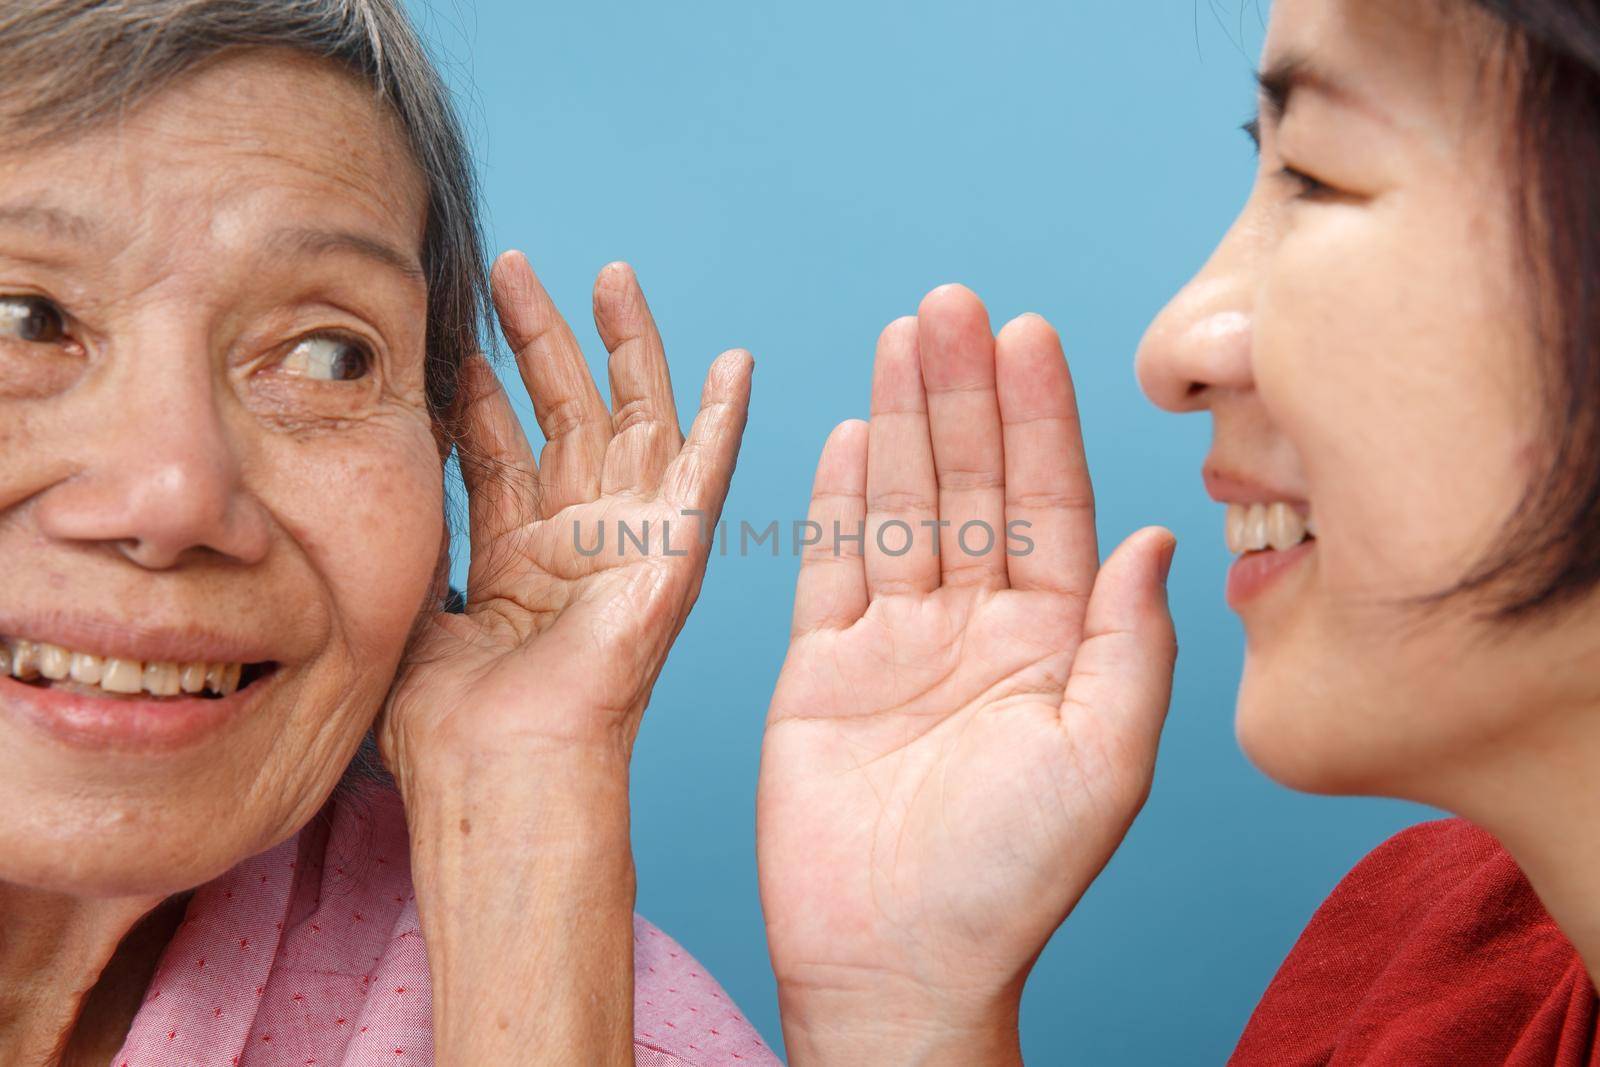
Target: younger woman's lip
x,y
93,723
1253,573
1226,487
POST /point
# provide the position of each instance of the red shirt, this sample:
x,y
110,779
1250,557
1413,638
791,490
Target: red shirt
x,y
1433,952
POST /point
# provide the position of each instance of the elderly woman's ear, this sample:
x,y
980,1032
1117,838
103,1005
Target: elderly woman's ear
x,y
232,549
441,575
195,715
449,423
517,722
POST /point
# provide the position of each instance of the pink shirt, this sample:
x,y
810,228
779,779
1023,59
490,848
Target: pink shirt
x,y
308,955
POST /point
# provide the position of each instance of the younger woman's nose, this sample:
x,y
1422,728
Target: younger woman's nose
x,y
1198,346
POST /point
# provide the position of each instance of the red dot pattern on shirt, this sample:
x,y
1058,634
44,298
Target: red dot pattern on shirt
x,y
262,970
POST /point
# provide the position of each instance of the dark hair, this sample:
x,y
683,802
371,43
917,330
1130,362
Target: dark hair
x,y
1550,555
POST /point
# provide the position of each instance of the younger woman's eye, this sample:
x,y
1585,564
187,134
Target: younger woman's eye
x,y
329,358
1309,188
32,319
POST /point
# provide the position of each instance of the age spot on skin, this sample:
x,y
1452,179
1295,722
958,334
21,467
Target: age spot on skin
x,y
466,827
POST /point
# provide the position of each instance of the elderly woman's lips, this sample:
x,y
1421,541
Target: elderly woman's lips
x,y
29,660
142,639
82,718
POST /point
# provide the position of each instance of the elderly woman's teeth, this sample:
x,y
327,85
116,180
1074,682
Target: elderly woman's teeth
x,y
161,679
192,678
1257,527
31,660
122,676
87,669
54,662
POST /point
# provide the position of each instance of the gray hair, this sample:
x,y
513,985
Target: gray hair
x,y
66,65
69,64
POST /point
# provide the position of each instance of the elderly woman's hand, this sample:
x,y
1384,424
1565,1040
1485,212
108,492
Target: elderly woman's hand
x,y
959,738
568,620
510,727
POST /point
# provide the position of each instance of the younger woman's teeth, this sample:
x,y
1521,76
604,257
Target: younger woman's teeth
x,y
29,660
1257,527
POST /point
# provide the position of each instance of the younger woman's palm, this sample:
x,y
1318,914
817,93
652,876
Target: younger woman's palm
x,y
962,731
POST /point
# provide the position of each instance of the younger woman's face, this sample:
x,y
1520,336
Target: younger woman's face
x,y
1363,340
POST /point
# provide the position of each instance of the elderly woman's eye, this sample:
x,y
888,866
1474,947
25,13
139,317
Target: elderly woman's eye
x,y
33,319
329,358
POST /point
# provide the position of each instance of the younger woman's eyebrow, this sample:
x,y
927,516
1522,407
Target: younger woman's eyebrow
x,y
1295,71
1292,72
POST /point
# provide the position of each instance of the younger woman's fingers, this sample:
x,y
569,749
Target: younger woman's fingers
x,y
644,419
696,481
1122,673
957,350
902,534
574,419
1049,500
831,592
497,463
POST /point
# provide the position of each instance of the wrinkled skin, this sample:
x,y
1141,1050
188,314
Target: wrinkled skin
x,y
541,601
169,459
162,466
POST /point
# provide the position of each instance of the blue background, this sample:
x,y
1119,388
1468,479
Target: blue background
x,y
789,178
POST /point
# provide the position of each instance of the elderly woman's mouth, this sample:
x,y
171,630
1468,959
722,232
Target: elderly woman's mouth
x,y
52,666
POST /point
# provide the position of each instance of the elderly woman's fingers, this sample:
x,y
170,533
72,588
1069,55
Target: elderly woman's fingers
x,y
902,492
957,350
698,476
1047,476
644,419
831,592
497,463
576,424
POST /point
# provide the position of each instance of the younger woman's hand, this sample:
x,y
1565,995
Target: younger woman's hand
x,y
960,736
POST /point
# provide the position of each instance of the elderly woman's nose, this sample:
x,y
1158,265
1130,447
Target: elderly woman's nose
x,y
160,491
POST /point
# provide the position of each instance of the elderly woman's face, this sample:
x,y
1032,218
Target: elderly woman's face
x,y
217,467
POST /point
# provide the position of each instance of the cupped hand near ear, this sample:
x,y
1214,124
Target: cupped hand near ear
x,y
959,739
562,640
510,727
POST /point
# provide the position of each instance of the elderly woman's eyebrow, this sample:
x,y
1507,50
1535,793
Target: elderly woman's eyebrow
x,y
60,224
308,241
49,221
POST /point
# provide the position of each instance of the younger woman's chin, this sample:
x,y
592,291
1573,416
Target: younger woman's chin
x,y
1301,742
